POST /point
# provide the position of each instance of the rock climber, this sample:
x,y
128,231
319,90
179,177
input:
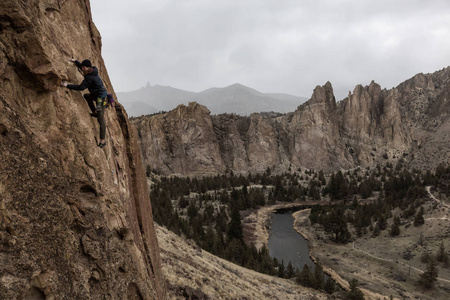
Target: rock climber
x,y
97,94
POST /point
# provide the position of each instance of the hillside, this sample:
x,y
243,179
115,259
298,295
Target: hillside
x,y
236,98
192,271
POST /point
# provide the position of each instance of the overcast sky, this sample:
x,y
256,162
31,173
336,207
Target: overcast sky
x,y
273,46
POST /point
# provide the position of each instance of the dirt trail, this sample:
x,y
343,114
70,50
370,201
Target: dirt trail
x,y
428,188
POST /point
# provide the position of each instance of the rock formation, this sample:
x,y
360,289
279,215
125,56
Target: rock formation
x,y
372,125
75,220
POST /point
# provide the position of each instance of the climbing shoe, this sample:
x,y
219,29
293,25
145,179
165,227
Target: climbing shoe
x,y
101,145
95,115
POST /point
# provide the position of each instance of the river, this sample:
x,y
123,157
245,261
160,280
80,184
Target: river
x,y
287,244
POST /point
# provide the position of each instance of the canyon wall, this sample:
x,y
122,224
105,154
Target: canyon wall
x,y
371,126
75,219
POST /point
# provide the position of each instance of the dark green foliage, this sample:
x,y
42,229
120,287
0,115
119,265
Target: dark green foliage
x,y
376,230
192,210
290,271
314,189
305,277
442,179
281,270
382,222
314,280
441,255
400,190
337,187
216,231
322,179
426,257
235,227
395,228
334,221
355,293
428,278
318,278
330,286
368,186
315,213
419,220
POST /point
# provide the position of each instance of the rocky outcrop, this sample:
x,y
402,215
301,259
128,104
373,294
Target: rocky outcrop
x,y
372,125
75,220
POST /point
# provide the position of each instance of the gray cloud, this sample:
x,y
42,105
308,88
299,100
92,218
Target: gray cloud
x,y
273,46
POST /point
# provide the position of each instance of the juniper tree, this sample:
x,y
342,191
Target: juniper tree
x,y
442,255
355,293
419,220
330,286
395,228
335,222
290,272
305,276
281,270
429,277
318,279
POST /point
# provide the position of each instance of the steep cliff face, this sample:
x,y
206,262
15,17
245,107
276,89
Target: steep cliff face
x,y
75,220
372,125
184,141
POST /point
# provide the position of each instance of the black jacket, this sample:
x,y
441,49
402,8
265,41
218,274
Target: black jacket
x,y
92,82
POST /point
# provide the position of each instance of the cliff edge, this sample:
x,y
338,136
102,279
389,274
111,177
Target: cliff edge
x,y
75,220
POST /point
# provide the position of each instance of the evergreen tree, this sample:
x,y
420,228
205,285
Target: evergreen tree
x,y
330,286
376,230
235,226
382,222
235,251
192,210
305,277
281,270
322,178
290,271
442,255
365,190
337,187
318,280
395,228
335,222
426,257
355,293
429,277
419,220
208,242
265,262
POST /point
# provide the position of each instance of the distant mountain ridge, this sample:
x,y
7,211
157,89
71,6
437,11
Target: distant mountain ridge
x,y
235,98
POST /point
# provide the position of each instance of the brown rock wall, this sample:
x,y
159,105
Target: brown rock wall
x,y
76,219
